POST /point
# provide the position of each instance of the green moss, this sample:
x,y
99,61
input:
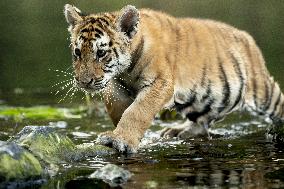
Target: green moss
x,y
52,148
23,167
40,112
45,143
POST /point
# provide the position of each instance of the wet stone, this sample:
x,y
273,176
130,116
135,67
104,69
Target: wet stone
x,y
45,143
55,148
16,163
112,174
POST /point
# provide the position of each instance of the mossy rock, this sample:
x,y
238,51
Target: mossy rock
x,y
45,143
16,163
55,148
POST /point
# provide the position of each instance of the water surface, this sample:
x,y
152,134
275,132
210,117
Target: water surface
x,y
242,156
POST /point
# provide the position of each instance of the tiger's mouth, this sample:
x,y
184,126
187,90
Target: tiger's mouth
x,y
93,87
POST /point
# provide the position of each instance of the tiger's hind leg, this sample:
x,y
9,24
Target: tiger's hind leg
x,y
185,130
266,100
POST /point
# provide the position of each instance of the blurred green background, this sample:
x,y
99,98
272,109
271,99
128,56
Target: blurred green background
x,y
34,37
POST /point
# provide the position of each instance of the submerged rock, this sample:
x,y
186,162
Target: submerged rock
x,y
55,148
16,163
112,174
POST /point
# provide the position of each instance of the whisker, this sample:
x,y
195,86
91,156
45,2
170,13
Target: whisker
x,y
64,72
65,95
68,68
66,85
61,82
74,90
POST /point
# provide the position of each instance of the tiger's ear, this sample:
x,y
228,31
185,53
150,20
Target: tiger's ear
x,y
128,21
72,14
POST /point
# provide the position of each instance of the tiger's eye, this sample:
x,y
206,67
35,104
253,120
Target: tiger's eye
x,y
77,52
101,53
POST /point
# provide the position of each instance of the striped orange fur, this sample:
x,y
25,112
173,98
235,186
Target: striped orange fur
x,y
145,60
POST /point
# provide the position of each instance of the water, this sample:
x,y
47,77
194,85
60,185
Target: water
x,y
240,155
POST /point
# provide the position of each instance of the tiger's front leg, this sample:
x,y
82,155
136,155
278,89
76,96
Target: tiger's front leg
x,y
138,116
117,100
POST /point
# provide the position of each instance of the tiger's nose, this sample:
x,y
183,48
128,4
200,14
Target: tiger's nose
x,y
87,81
84,82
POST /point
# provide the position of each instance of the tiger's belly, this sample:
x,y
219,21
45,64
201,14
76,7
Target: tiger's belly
x,y
205,105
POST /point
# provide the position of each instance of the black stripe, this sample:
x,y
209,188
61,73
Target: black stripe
x,y
204,75
108,60
238,71
267,88
268,93
104,20
109,17
189,102
84,30
254,89
241,80
109,66
226,88
107,70
273,113
93,20
136,55
115,52
254,84
97,35
208,92
99,23
83,37
193,116
99,31
91,28
269,101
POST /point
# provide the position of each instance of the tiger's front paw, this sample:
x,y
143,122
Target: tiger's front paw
x,y
117,142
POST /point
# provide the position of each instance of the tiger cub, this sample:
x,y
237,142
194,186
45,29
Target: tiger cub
x,y
144,60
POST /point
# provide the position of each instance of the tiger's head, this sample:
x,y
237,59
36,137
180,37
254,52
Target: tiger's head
x,y
100,45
